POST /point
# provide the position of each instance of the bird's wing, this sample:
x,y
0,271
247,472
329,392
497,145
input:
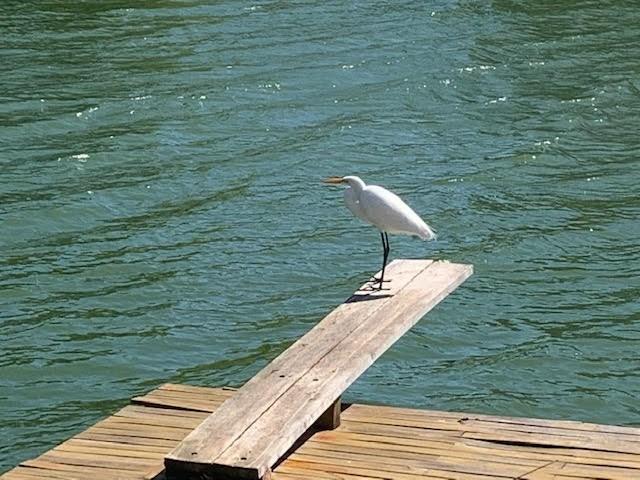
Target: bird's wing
x,y
389,213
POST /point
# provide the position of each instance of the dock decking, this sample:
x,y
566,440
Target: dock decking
x,y
372,442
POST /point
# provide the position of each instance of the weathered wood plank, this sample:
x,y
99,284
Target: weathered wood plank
x,y
378,471
176,403
461,421
88,471
407,440
293,472
162,412
419,465
425,457
496,428
126,440
380,448
206,442
340,367
550,440
574,471
312,373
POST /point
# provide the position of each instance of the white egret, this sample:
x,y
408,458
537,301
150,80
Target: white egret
x,y
384,210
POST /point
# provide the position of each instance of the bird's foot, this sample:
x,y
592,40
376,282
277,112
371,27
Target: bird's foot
x,y
377,283
378,280
374,287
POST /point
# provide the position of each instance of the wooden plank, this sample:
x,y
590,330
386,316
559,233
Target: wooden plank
x,y
546,437
470,422
25,473
542,436
562,454
190,396
91,459
250,401
159,411
181,387
292,473
400,412
298,386
493,446
125,439
380,472
176,403
76,442
340,367
425,458
152,421
94,472
419,465
412,440
97,452
574,471
603,443
381,449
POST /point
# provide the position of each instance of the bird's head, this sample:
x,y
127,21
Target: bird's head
x,y
351,180
335,180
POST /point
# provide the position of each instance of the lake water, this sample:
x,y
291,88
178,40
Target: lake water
x,y
162,217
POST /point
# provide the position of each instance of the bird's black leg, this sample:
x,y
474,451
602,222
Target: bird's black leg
x,y
385,256
387,248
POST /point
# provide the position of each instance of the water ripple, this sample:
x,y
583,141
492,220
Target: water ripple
x,y
162,217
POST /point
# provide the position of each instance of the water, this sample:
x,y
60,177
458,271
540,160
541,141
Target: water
x,y
162,217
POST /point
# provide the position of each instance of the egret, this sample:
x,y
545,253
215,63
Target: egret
x,y
384,210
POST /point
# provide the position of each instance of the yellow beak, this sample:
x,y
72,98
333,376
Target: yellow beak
x,y
334,180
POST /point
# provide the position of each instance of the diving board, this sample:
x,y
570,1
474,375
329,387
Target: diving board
x,y
252,430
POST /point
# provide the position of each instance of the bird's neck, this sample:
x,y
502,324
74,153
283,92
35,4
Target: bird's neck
x,y
357,185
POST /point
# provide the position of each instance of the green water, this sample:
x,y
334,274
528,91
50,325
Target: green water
x,y
161,216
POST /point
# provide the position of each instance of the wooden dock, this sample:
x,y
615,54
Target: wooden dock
x,y
288,421
372,442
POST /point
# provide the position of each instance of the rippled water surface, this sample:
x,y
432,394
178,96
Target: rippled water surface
x,y
161,216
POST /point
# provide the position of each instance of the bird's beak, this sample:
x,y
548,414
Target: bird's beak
x,y
334,180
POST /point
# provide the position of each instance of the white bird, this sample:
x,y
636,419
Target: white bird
x,y
384,210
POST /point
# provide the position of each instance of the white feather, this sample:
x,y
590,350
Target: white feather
x,y
384,209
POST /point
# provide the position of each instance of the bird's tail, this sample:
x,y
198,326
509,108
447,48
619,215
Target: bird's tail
x,y
426,233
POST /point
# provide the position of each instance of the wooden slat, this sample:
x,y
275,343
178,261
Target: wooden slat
x,y
571,470
300,474
250,432
97,472
382,447
461,421
379,471
294,473
412,413
417,466
545,436
176,403
551,440
417,440
182,397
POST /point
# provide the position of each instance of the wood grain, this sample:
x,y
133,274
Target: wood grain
x,y
372,442
250,402
290,394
